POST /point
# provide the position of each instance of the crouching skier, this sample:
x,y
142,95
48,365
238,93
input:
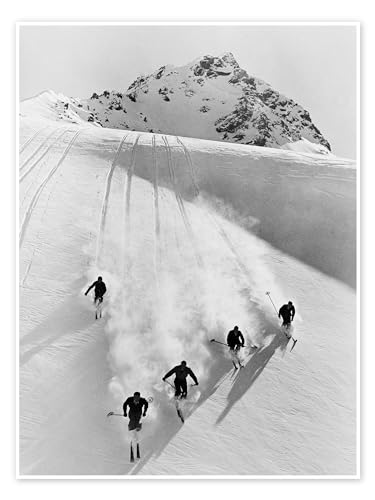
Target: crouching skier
x,y
136,405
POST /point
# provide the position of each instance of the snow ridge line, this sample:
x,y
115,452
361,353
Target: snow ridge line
x,y
190,165
107,190
43,154
180,202
30,139
41,146
41,187
212,215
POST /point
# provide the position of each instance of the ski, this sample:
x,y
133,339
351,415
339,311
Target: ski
x,y
131,453
179,413
289,337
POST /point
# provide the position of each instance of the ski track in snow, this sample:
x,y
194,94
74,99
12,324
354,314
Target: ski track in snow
x,y
33,136
103,217
37,161
212,215
129,176
39,148
41,187
155,180
180,204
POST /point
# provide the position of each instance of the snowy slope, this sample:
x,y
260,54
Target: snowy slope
x,y
188,234
209,98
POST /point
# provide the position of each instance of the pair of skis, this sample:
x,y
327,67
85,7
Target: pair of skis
x,y
177,402
98,310
132,452
286,330
111,413
252,346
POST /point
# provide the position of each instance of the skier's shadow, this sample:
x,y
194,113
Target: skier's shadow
x,y
69,317
254,368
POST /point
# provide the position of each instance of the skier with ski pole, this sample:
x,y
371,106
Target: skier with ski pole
x,y
235,341
287,313
181,371
135,404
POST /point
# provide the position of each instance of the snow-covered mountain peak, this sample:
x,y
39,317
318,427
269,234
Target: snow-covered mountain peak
x,y
212,98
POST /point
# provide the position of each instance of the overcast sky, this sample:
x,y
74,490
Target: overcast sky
x,y
314,65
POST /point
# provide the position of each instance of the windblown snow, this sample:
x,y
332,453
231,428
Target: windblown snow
x,y
188,234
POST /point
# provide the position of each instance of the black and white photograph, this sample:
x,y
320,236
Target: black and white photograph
x,y
187,228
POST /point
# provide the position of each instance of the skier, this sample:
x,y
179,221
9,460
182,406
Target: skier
x,y
100,290
181,371
287,312
135,403
235,341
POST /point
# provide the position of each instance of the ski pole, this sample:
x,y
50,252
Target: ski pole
x,y
222,343
111,413
269,296
169,384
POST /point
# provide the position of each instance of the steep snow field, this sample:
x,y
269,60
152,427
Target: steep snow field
x,y
188,235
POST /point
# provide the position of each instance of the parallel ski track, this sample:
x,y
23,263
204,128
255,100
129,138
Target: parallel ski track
x,y
127,194
30,139
180,203
41,146
25,174
156,209
108,182
221,230
41,187
129,175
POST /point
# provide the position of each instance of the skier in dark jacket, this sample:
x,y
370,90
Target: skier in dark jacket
x,y
287,312
235,339
100,289
181,371
135,404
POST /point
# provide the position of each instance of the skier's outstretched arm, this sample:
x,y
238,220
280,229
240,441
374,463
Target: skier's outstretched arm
x,y
192,375
171,372
104,288
280,311
89,288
